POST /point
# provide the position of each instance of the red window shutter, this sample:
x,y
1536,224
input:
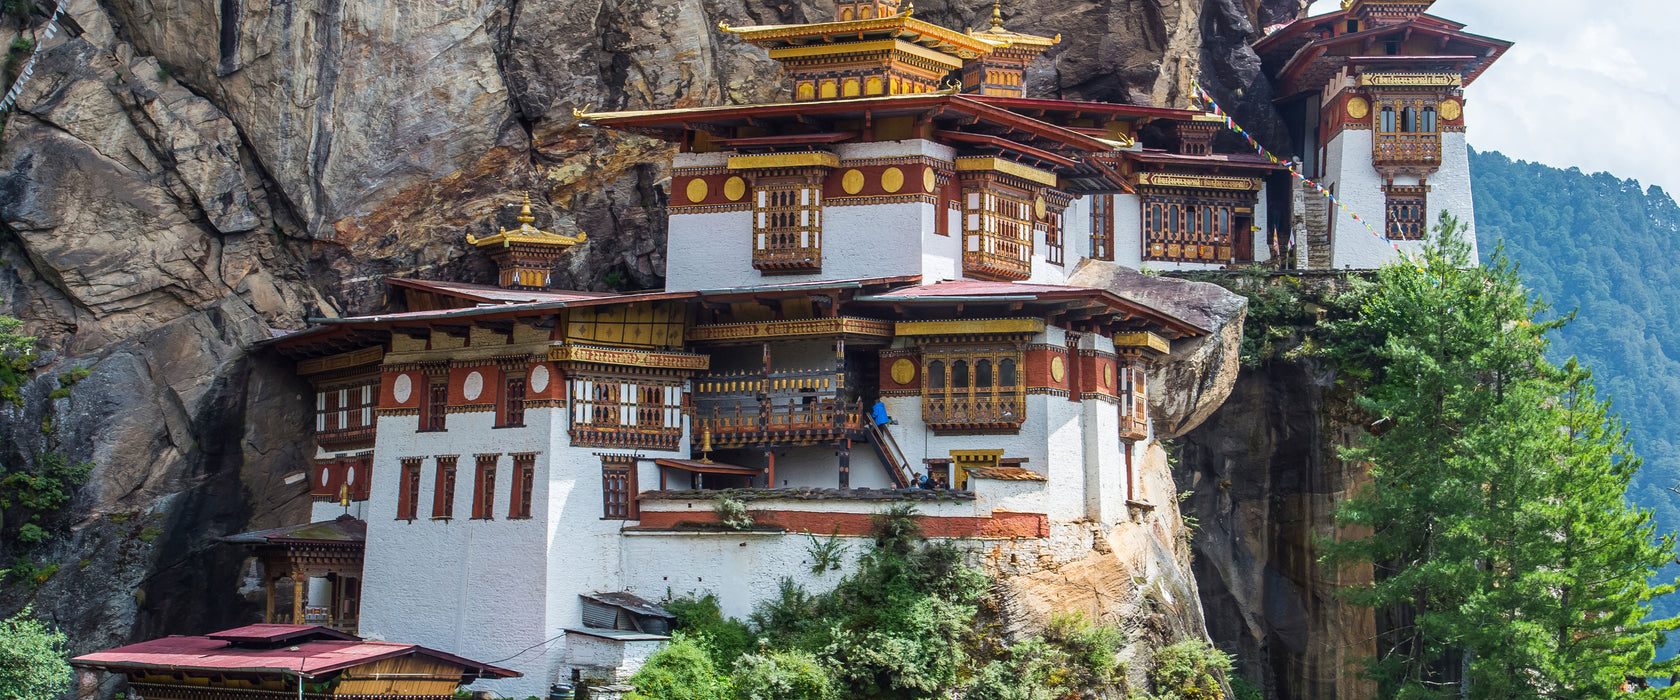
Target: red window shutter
x,y
484,487
443,497
409,490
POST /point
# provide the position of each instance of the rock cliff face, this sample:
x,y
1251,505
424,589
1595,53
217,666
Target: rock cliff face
x,y
182,176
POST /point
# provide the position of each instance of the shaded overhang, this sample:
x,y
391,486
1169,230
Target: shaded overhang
x,y
969,123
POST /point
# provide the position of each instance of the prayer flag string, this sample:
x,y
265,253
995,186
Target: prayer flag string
x,y
1290,165
28,70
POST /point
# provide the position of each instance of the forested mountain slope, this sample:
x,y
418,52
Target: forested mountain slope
x,y
1607,250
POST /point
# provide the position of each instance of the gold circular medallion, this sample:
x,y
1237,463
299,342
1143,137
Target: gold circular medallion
x,y
892,179
1358,108
1108,376
1451,110
1058,369
903,371
1039,207
852,182
696,191
929,180
734,188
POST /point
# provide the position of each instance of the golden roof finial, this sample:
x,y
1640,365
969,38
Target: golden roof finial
x,y
997,13
910,8
525,211
1347,5
526,233
706,445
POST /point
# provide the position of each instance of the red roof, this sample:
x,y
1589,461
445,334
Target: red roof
x,y
275,634
978,288
290,649
980,291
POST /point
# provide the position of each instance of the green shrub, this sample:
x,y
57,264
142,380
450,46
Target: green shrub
x,y
732,513
32,659
31,533
1025,673
1189,670
781,675
682,670
725,639
1241,689
1073,659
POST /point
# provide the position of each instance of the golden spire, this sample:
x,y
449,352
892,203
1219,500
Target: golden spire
x,y
706,445
997,13
909,8
525,212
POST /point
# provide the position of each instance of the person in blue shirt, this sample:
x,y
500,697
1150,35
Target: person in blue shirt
x,y
880,413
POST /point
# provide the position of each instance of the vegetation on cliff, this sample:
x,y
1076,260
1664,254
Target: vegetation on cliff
x,y
1507,560
908,622
32,659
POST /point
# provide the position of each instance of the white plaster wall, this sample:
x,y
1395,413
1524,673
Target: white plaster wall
x,y
585,553
874,240
1359,187
894,149
942,255
1015,496
1128,231
714,251
1076,227
1105,468
463,586
619,658
741,568
1450,188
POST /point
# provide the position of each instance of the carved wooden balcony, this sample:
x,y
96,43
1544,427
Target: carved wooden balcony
x,y
977,412
626,437
1403,149
799,407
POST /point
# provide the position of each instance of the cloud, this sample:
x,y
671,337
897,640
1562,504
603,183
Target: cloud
x,y
1585,87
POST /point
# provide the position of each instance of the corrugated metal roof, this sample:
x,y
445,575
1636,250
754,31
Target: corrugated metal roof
x,y
629,601
344,528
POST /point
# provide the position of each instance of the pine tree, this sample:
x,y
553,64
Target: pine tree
x,y
1507,562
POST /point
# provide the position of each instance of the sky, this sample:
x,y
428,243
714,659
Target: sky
x,y
1592,90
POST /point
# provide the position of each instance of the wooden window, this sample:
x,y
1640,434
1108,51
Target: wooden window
x,y
1405,214
1134,406
437,406
1387,122
610,411
787,224
408,498
1052,225
443,493
524,480
1183,226
513,401
973,387
1429,125
484,488
1102,227
997,229
618,488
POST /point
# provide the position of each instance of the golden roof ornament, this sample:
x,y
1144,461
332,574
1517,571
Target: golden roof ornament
x,y
997,14
527,234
